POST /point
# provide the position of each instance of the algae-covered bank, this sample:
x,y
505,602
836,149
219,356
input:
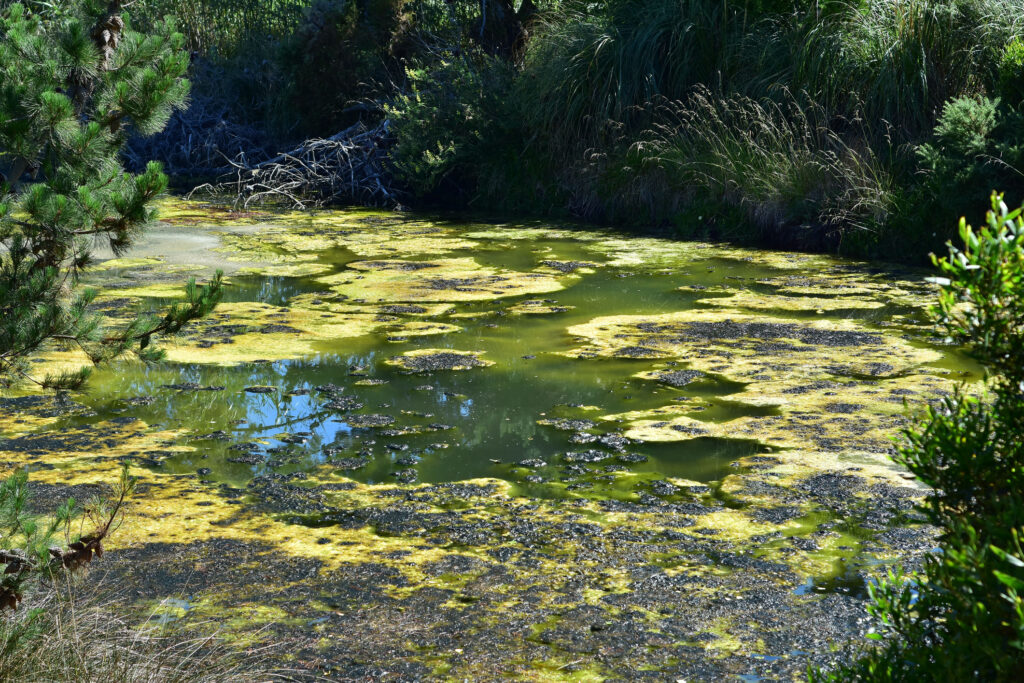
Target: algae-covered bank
x,y
415,448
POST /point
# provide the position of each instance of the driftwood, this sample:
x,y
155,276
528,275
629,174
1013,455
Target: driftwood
x,y
346,168
203,141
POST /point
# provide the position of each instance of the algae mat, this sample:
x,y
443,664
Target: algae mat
x,y
418,448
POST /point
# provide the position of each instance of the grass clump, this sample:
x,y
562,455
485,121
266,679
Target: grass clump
x,y
58,623
70,635
791,177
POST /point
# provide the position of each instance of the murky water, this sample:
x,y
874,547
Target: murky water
x,y
696,441
455,425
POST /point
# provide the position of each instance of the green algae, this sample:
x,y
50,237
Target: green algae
x,y
243,332
118,263
287,489
830,383
538,307
851,283
440,280
178,211
749,300
301,269
651,252
421,328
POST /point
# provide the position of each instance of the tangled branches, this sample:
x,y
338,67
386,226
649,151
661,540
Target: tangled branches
x,y
198,142
346,168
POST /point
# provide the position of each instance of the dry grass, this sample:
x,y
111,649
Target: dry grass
x,y
78,633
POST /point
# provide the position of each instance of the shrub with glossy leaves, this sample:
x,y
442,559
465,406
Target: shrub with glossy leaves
x,y
962,618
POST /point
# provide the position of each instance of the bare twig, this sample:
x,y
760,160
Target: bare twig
x,y
346,168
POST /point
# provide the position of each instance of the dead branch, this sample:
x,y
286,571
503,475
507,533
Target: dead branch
x,y
197,142
346,168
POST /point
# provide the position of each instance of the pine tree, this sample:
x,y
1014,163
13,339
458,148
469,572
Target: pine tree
x,y
75,81
31,545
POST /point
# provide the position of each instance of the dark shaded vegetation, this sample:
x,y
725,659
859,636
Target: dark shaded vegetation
x,y
837,126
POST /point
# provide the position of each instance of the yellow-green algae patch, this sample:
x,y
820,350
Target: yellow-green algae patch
x,y
305,237
160,290
838,414
22,412
178,211
784,302
530,234
741,346
421,328
537,307
633,252
850,283
659,571
575,573
180,510
301,269
661,413
441,280
54,361
328,302
835,385
246,331
126,262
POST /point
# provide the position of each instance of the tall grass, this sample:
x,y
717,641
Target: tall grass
x,y
585,69
793,178
900,60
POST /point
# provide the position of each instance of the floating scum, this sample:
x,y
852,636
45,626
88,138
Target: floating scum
x,y
431,360
831,384
474,555
763,302
440,280
475,576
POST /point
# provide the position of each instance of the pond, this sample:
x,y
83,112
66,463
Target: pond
x,y
751,396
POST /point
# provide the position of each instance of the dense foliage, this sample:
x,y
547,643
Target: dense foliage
x,y
844,126
962,618
75,81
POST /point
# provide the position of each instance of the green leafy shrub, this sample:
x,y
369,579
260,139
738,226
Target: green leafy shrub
x,y
976,145
962,618
445,124
1011,72
965,126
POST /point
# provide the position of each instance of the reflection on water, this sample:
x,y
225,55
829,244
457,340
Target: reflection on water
x,y
449,426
